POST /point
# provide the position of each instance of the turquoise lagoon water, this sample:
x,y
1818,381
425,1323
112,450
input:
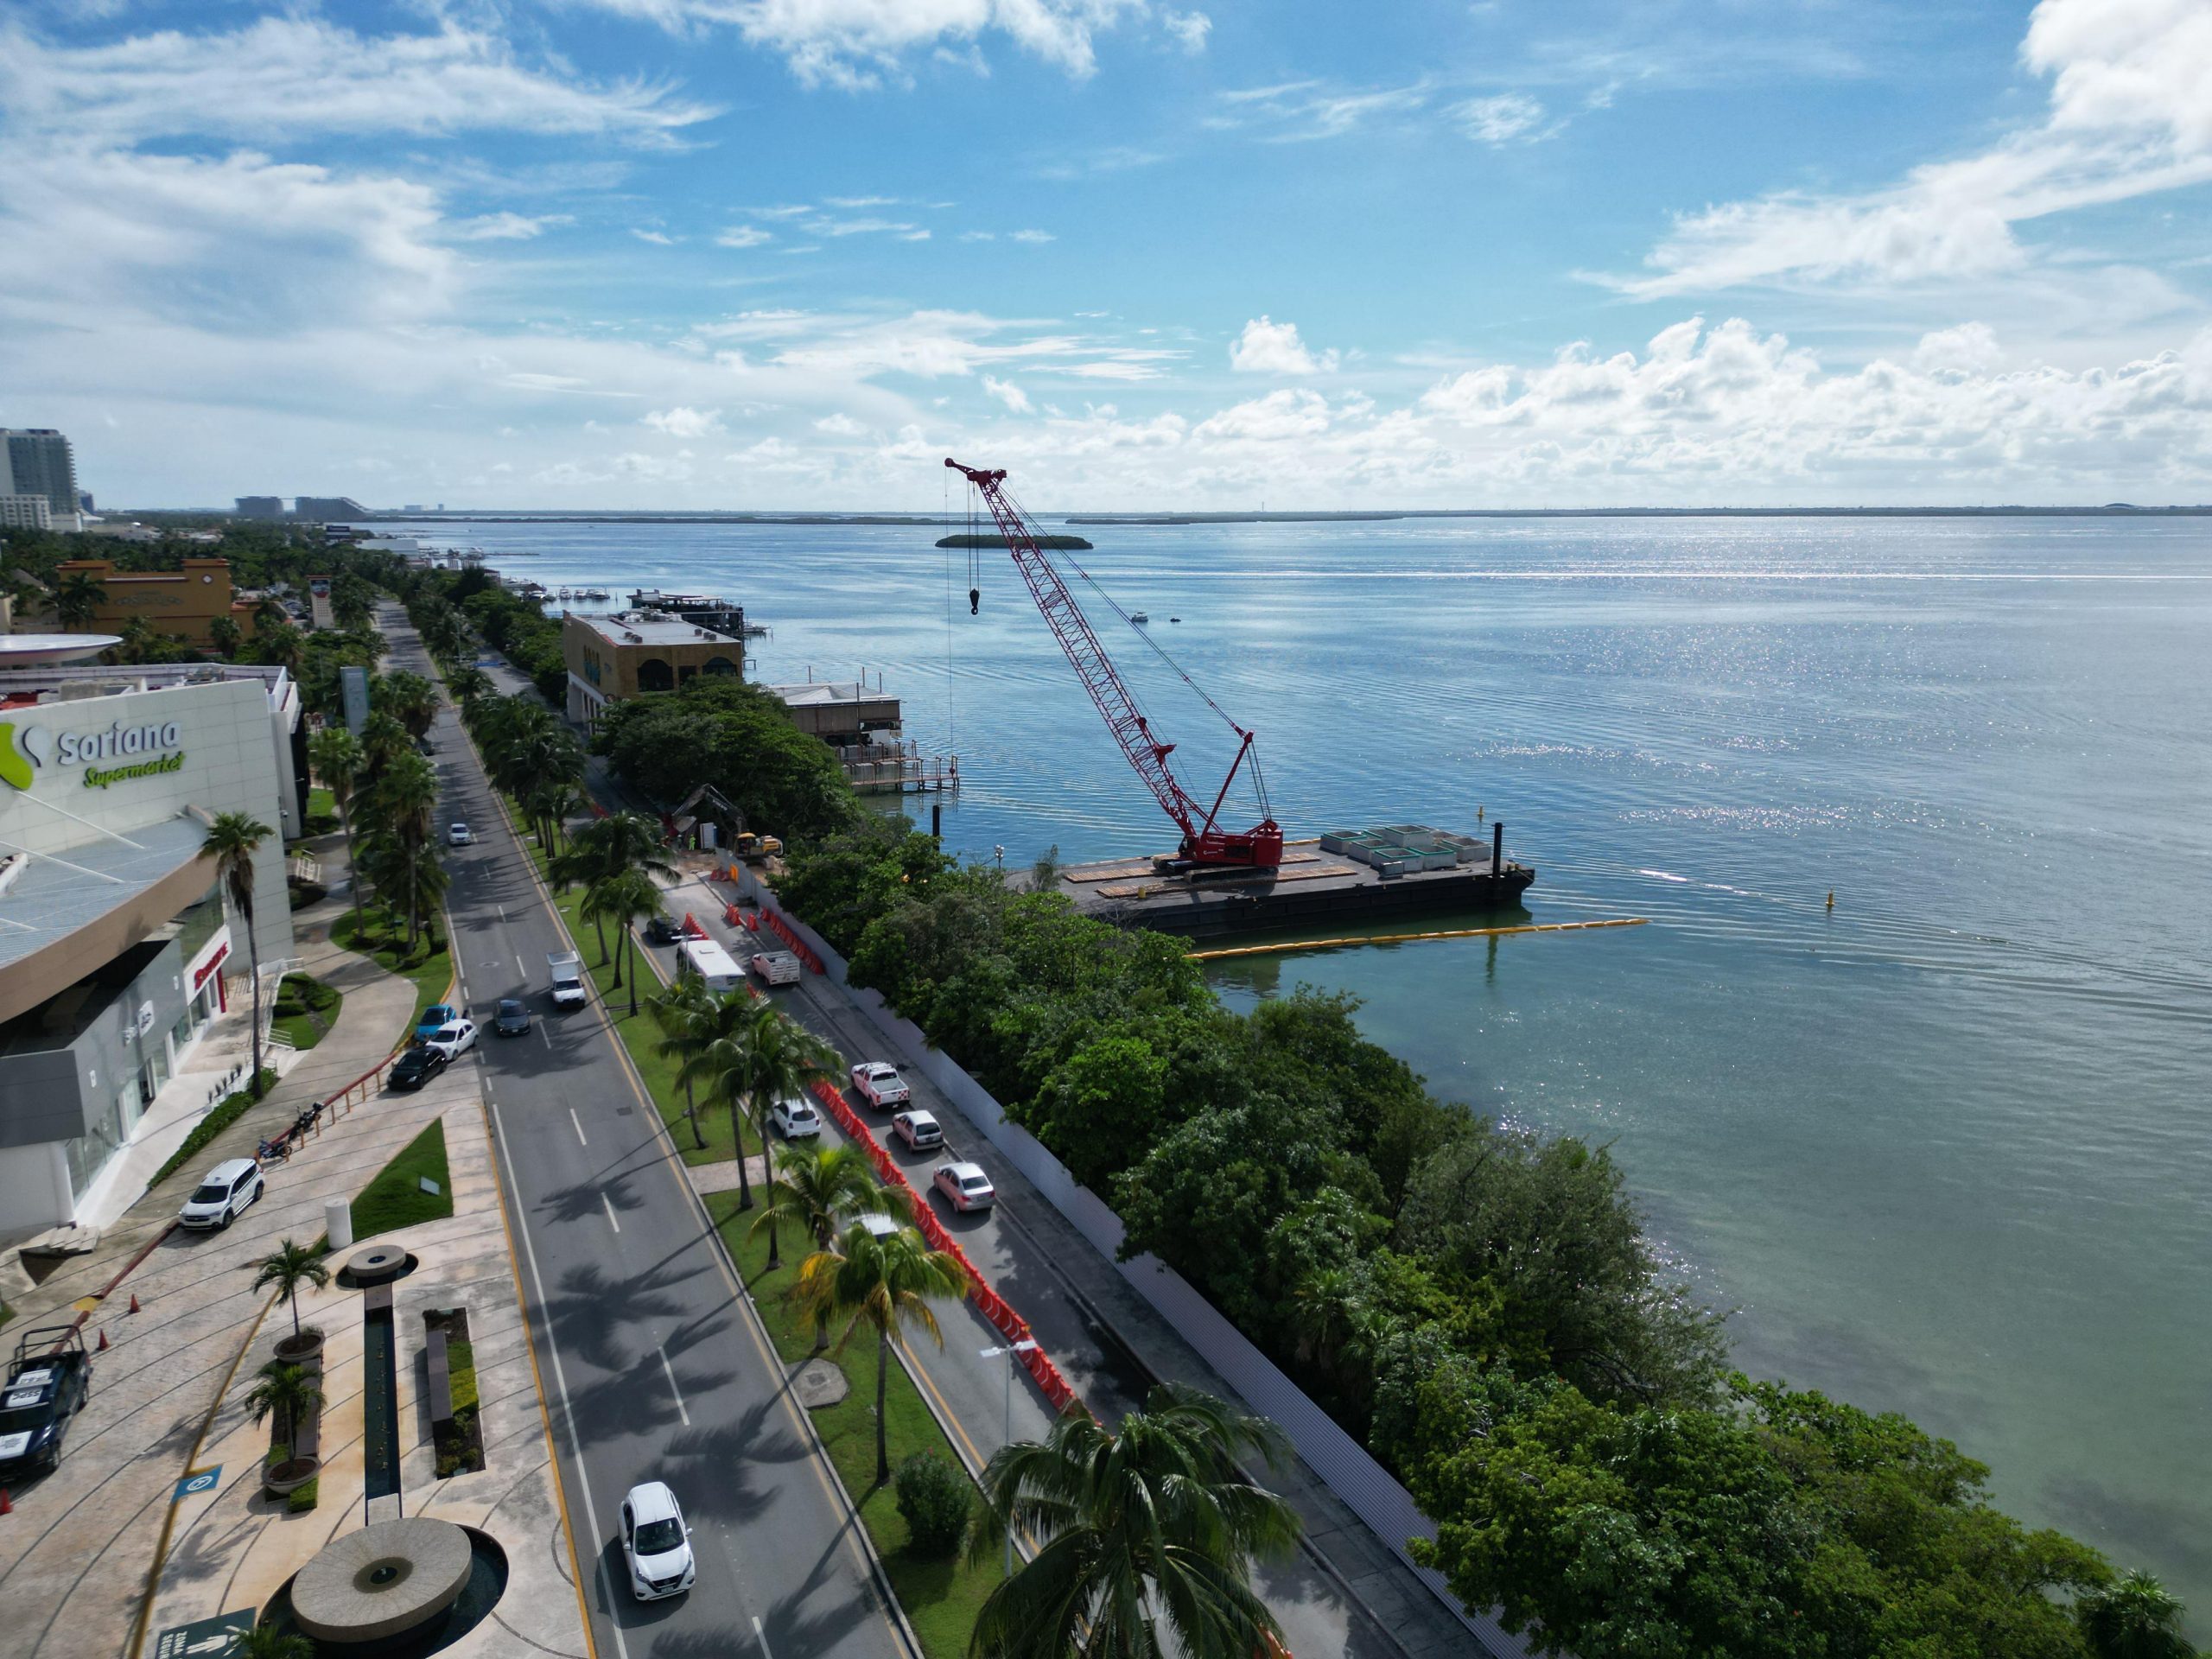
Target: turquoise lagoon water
x,y
1946,1149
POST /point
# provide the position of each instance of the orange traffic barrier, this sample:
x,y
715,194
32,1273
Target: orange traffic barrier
x,y
103,1347
134,1301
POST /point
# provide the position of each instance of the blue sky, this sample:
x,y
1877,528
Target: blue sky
x,y
788,253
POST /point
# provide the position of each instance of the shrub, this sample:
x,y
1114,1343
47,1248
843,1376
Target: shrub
x,y
214,1123
303,1497
934,1499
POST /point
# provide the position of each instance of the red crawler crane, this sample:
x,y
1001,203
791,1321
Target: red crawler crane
x,y
1205,845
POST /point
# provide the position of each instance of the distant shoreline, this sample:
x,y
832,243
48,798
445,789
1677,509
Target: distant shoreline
x,y
1388,515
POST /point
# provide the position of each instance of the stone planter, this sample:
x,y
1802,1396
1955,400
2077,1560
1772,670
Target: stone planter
x,y
306,1348
282,1479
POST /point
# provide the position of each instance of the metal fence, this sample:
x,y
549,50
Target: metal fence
x,y
1343,1466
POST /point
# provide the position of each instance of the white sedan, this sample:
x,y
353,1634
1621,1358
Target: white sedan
x,y
878,1083
795,1119
965,1186
457,835
918,1130
452,1041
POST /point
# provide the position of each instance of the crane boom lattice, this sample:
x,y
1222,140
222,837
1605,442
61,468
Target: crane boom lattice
x,y
1204,843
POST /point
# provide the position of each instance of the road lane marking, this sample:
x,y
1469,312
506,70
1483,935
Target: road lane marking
x,y
519,968
609,1203
761,1636
568,1410
579,1122
502,909
548,1040
669,1371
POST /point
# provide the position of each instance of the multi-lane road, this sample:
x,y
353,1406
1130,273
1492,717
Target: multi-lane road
x,y
653,1365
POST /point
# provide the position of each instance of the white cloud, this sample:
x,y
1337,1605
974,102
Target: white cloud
x,y
1031,236
840,426
659,239
1501,119
505,227
1269,347
1188,29
1006,392
1285,414
744,236
853,43
1969,349
282,77
2128,117
685,423
1301,110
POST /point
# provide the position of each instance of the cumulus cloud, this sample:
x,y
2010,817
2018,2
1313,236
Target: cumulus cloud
x,y
1501,119
1269,347
2127,118
282,77
1006,392
1188,29
685,423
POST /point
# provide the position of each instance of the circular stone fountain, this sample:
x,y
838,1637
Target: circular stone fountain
x,y
375,1264
382,1580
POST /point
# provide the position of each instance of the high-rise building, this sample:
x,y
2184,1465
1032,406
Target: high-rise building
x,y
36,460
25,512
261,506
343,508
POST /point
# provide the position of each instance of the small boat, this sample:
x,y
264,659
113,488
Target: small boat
x,y
1174,618
1139,616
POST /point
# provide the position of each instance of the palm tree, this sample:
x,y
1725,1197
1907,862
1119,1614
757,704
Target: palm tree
x,y
289,1391
467,684
336,756
400,804
2135,1619
1153,1521
716,1041
886,1283
269,611
408,698
384,739
409,878
776,1059
270,1641
816,1188
233,839
289,1266
629,899
78,600
279,644
224,634
684,1011
623,841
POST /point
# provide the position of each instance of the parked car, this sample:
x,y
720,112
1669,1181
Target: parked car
x,y
965,1186
879,1226
436,1019
416,1067
656,1544
878,1083
513,1018
918,1130
47,1386
457,834
795,1119
452,1041
223,1194
661,930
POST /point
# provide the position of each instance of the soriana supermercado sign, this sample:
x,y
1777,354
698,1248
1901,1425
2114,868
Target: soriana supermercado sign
x,y
113,754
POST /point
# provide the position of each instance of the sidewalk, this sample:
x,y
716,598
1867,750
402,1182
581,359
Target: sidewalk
x,y
73,1557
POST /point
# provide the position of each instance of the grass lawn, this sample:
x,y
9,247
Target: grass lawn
x,y
941,1596
322,812
396,1198
640,1033
383,938
305,1009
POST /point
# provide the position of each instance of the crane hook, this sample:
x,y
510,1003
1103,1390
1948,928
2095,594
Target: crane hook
x,y
974,601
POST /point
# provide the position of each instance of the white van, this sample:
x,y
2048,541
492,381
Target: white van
x,y
712,963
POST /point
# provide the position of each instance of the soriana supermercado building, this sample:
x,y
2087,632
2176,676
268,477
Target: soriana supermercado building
x,y
117,951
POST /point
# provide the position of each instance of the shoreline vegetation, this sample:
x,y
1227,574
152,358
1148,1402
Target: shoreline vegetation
x,y
1475,1301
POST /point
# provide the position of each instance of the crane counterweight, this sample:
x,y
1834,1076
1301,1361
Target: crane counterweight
x,y
1205,845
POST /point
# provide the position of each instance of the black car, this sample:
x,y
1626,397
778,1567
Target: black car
x,y
47,1386
512,1019
416,1067
661,931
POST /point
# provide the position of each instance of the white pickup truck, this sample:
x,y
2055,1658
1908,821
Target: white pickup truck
x,y
777,967
567,968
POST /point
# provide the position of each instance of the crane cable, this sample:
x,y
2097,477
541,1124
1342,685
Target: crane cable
x,y
1259,778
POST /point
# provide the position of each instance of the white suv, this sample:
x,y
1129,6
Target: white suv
x,y
656,1544
795,1119
223,1194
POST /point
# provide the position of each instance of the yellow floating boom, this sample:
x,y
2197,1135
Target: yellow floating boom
x,y
1407,938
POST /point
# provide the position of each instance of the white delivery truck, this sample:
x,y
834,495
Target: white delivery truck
x,y
711,962
777,967
567,968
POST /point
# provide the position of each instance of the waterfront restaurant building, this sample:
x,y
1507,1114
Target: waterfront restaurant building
x,y
119,952
612,658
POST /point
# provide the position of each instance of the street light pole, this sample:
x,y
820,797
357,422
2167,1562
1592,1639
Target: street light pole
x,y
1025,1346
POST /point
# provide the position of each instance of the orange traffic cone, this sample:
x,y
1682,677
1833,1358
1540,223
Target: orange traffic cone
x,y
103,1347
134,1301
6,1507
